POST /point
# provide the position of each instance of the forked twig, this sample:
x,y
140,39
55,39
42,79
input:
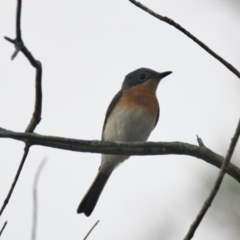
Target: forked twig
x,y
36,116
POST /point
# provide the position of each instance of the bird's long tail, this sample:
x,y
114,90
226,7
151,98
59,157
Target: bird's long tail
x,y
90,199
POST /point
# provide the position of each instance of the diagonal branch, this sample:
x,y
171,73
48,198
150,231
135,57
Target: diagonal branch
x,y
36,116
120,148
96,223
183,30
25,153
216,186
3,227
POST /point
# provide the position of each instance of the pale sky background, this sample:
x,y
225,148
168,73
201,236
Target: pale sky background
x,y
86,48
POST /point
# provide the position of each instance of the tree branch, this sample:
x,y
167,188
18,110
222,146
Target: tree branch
x,y
181,29
96,223
216,186
36,116
26,149
3,227
120,148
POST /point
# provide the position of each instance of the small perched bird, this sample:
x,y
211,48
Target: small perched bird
x,y
131,116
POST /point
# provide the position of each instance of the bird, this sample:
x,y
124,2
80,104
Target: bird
x,y
131,116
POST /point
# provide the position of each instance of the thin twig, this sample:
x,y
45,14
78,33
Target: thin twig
x,y
36,116
91,229
200,142
35,198
183,30
125,148
26,149
4,225
216,186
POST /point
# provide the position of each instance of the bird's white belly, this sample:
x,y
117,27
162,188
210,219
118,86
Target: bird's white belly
x,y
126,125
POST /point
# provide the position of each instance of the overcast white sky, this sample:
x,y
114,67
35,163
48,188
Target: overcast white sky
x,y
86,48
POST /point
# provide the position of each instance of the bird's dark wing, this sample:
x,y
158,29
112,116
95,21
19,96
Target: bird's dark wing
x,y
110,108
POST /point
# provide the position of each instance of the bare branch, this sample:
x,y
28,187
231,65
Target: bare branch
x,y
18,39
18,21
26,149
36,116
35,199
4,225
120,148
91,229
196,40
19,45
216,186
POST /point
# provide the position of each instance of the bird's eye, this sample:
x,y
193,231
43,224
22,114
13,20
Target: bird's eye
x,y
142,77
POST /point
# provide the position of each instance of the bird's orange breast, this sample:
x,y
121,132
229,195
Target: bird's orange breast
x,y
140,97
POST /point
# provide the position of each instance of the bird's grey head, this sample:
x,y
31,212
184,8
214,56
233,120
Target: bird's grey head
x,y
140,76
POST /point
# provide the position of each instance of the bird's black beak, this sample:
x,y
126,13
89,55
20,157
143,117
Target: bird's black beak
x,y
162,75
